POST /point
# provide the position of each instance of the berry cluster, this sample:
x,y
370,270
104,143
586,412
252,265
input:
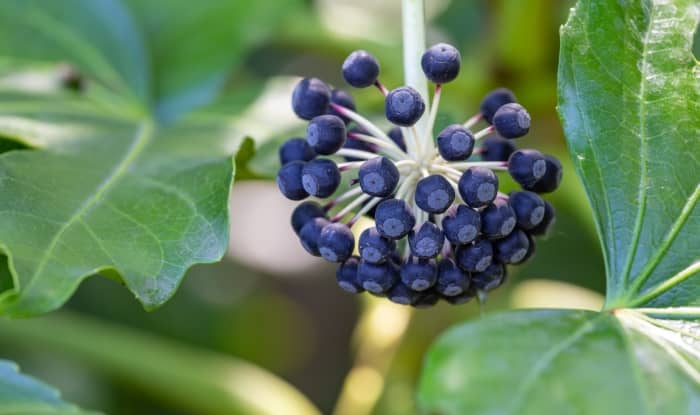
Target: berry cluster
x,y
442,228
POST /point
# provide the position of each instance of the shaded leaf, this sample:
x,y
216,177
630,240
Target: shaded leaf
x,y
104,192
562,362
23,395
629,98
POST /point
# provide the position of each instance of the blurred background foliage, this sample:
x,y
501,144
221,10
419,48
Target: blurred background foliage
x,y
267,302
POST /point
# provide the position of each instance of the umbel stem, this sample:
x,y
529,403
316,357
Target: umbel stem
x,y
374,349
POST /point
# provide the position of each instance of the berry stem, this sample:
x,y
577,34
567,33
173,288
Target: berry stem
x,y
406,184
405,163
473,120
445,169
361,121
350,206
413,25
433,112
350,165
493,165
389,147
485,132
381,87
345,196
358,154
366,208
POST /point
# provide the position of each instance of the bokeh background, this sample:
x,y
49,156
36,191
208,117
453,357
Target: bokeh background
x,y
268,302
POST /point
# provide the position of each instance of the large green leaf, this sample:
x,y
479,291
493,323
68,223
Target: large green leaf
x,y
23,395
564,362
629,99
104,193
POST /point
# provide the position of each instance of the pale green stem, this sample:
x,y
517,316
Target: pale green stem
x,y
413,19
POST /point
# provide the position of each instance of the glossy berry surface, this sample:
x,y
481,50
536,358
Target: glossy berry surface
x,y
346,276
310,98
551,179
289,180
320,177
451,280
527,166
326,134
378,177
394,218
442,231
336,242
296,149
512,120
419,274
441,63
427,241
455,143
478,186
404,106
494,101
360,69
497,149
309,234
528,208
498,219
434,194
304,212
475,257
461,225
373,247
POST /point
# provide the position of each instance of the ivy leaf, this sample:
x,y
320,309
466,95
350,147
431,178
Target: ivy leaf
x,y
556,362
104,193
629,99
23,395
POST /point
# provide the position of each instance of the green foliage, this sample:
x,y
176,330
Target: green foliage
x,y
629,98
185,377
23,395
122,179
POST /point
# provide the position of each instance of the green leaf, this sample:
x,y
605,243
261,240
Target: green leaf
x,y
183,378
564,362
102,192
629,99
23,395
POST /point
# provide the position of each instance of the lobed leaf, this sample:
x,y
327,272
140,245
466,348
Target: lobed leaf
x,y
629,99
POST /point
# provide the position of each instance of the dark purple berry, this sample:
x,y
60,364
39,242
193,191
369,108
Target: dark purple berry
x,y
344,99
498,219
475,257
419,274
404,106
512,120
513,248
309,234
373,247
378,177
336,242
427,241
451,280
495,100
320,177
455,143
346,276
311,98
552,176
461,224
394,218
434,194
296,149
289,180
528,208
304,212
547,221
441,63
527,166
478,186
497,149
326,134
377,278
360,69
491,278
